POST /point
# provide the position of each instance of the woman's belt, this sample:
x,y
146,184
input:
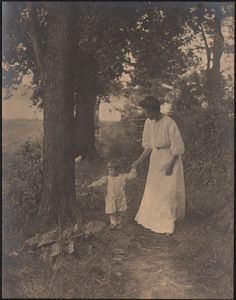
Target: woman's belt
x,y
164,147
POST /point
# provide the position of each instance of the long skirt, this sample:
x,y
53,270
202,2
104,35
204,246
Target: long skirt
x,y
163,201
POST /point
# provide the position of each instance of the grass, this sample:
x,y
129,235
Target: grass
x,y
15,132
195,263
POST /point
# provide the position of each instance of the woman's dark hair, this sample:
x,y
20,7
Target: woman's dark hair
x,y
150,103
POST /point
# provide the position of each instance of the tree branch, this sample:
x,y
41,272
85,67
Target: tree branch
x,y
197,48
35,37
208,51
218,45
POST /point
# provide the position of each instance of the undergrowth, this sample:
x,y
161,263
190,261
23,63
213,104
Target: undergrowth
x,y
88,272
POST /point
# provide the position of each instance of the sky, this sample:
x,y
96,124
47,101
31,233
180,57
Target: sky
x,y
19,106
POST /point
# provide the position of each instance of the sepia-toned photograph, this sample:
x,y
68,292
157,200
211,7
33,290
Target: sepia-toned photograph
x,y
118,149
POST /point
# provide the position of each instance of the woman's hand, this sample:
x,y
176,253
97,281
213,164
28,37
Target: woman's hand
x,y
145,153
169,170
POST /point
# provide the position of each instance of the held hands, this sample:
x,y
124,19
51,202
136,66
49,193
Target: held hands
x,y
133,171
135,164
88,186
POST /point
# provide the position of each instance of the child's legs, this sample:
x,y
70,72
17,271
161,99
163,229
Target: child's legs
x,y
113,219
118,217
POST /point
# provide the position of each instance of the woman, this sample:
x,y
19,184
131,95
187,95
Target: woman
x,y
164,196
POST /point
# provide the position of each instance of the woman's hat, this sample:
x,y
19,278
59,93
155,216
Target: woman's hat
x,y
150,102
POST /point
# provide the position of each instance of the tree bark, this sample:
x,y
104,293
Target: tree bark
x,y
85,106
59,201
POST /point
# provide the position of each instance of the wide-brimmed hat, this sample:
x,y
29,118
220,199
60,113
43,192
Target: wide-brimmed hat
x,y
150,103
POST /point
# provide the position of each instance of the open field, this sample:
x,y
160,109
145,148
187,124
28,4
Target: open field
x,y
15,132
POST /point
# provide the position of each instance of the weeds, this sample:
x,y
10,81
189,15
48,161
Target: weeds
x,y
89,270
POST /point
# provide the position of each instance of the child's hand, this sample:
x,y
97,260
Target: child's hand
x,y
132,173
135,164
84,186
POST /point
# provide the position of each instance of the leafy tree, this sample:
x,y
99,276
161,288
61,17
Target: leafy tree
x,y
100,34
168,44
156,45
102,52
51,62
204,20
43,38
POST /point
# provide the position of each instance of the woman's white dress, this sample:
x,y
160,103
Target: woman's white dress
x,y
164,196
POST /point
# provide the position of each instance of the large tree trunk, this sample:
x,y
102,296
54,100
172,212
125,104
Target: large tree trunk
x,y
85,106
59,201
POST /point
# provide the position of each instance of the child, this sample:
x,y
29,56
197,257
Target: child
x,y
116,196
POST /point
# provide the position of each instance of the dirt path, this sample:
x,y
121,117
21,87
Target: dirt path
x,y
153,266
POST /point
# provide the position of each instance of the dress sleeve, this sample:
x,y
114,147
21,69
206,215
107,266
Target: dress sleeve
x,y
99,182
177,144
132,174
146,143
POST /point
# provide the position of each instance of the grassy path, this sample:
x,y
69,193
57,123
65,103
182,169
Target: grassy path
x,y
153,266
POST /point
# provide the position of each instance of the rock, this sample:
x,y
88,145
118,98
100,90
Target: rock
x,y
117,258
34,240
118,251
55,249
49,237
69,247
13,253
93,227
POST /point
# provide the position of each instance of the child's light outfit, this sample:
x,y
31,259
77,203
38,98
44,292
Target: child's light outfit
x,y
116,197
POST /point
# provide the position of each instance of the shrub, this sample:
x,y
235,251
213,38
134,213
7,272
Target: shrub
x,y
208,138
22,184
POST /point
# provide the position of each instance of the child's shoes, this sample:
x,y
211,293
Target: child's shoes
x,y
112,226
118,226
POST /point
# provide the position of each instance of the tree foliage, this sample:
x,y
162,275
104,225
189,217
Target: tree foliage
x,y
83,49
101,31
181,45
